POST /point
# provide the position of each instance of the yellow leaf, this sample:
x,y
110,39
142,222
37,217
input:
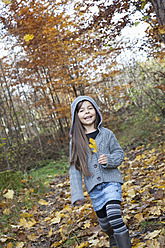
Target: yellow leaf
x,y
24,181
87,225
69,221
139,217
155,211
60,185
138,157
56,244
6,1
19,245
87,205
46,183
47,219
138,243
50,233
32,236
31,190
43,202
162,30
63,232
93,145
56,219
153,234
23,222
9,194
28,37
9,245
67,207
153,244
31,223
156,119
157,179
131,193
83,244
151,160
28,224
26,215
6,211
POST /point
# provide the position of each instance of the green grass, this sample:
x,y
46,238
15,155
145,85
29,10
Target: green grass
x,y
44,170
11,180
50,168
28,189
140,127
146,226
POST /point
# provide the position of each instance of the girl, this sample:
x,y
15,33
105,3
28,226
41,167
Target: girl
x,y
101,175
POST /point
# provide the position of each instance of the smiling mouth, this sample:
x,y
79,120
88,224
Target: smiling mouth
x,y
88,117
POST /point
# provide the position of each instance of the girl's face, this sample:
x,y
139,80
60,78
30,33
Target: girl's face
x,y
87,114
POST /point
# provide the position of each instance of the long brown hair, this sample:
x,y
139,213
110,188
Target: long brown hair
x,y
80,142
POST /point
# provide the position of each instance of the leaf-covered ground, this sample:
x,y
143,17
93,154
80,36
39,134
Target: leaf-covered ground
x,y
53,222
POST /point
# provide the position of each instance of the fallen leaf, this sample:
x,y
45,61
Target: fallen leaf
x,y
83,244
6,1
60,185
56,219
43,202
19,245
32,236
152,244
56,244
87,225
9,245
155,210
162,29
94,242
28,224
131,193
6,211
3,239
153,234
156,119
139,217
26,215
50,233
9,194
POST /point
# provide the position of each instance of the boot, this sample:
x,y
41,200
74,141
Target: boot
x,y
111,237
112,241
106,227
123,240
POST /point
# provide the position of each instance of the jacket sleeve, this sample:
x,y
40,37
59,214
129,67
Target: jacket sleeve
x,y
75,183
116,155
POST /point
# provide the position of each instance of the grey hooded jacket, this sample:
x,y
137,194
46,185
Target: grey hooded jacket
x,y
106,144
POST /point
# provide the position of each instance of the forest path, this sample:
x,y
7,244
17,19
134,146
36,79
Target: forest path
x,y
53,222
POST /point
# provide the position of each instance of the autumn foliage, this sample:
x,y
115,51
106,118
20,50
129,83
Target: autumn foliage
x,y
53,222
56,51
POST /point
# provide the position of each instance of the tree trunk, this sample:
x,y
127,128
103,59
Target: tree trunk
x,y
159,7
19,131
8,114
26,100
5,152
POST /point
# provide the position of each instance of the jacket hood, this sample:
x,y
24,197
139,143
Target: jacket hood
x,y
74,105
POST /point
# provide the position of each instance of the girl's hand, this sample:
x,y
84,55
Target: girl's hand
x,y
79,202
102,159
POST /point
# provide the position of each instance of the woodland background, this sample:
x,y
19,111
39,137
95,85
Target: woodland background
x,y
55,51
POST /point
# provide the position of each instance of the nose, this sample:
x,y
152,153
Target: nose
x,y
86,110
